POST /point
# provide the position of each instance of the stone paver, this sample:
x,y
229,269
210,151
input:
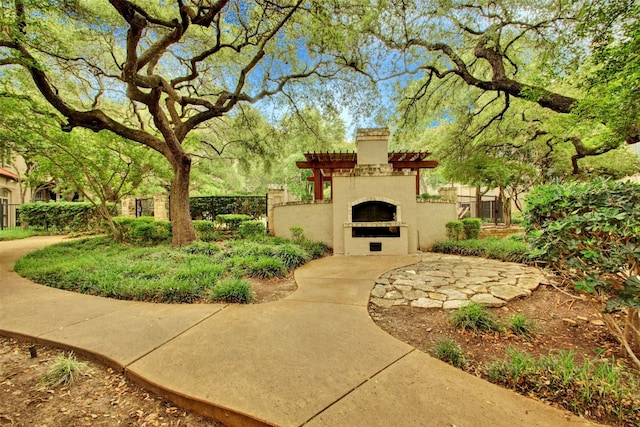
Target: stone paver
x,y
450,281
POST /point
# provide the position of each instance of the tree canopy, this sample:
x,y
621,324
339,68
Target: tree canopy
x,y
153,72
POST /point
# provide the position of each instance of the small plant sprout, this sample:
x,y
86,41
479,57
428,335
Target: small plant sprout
x,y
521,324
448,350
65,371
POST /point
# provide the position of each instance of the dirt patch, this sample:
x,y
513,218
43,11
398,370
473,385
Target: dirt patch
x,y
562,322
102,397
269,290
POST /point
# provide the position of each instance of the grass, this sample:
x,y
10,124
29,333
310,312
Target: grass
x,y
65,371
16,233
474,317
99,266
449,351
505,249
232,290
521,324
597,387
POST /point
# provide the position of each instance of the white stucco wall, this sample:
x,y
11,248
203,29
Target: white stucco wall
x,y
432,219
315,219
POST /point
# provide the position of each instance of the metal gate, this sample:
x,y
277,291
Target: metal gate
x,y
144,207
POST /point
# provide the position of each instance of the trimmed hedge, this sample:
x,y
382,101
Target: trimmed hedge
x,y
59,216
455,230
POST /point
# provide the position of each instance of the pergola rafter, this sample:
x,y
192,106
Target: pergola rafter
x,y
325,165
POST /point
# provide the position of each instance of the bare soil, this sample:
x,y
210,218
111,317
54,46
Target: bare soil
x,y
562,322
102,397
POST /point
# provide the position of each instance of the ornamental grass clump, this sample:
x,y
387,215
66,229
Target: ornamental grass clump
x,y
65,371
449,351
521,324
596,388
233,290
474,317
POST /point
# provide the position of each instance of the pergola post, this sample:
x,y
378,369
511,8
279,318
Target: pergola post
x,y
318,188
417,182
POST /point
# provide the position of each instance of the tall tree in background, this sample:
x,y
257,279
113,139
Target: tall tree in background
x,y
559,56
102,167
153,72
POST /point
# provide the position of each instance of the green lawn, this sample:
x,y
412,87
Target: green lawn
x,y
16,233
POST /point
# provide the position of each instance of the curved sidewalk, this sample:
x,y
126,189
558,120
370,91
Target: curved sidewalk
x,y
313,358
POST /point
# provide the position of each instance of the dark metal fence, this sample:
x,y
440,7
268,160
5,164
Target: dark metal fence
x,y
208,207
144,207
490,207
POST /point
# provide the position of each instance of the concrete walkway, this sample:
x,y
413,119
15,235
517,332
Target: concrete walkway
x,y
313,358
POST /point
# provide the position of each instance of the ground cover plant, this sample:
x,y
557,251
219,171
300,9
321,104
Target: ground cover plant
x,y
203,271
511,248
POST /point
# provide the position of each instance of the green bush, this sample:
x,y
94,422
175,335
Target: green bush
x,y
60,216
455,230
297,234
474,317
471,227
251,229
590,232
206,230
144,230
231,222
232,290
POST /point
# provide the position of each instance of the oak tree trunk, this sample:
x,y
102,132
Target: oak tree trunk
x,y
179,210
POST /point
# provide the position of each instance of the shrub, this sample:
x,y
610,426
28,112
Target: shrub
x,y
231,222
60,216
507,249
297,234
471,227
232,290
475,317
455,230
590,233
65,371
150,233
449,351
251,229
206,230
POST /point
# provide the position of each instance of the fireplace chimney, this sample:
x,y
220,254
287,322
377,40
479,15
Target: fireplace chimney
x,y
372,146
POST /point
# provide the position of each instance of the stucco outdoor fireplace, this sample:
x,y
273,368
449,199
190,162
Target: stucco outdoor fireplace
x,y
373,208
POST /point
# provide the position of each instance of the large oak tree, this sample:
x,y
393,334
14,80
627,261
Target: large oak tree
x,y
153,72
